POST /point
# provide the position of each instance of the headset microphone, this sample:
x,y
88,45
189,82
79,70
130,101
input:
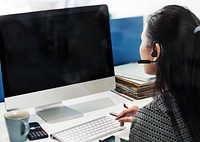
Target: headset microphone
x,y
146,62
153,54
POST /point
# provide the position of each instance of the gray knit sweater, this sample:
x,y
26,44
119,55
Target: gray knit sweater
x,y
153,123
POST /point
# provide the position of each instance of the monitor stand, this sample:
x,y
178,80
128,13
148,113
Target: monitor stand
x,y
56,113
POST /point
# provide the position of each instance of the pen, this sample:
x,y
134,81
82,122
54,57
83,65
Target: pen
x,y
125,105
113,114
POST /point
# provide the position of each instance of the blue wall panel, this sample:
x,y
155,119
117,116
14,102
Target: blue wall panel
x,y
125,35
1,89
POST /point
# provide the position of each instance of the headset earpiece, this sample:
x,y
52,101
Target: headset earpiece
x,y
154,53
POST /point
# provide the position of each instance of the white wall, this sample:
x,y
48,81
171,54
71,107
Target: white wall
x,y
117,8
126,8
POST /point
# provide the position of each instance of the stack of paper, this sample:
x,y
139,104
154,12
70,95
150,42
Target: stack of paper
x,y
133,82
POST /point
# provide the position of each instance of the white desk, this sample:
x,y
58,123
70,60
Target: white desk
x,y
51,128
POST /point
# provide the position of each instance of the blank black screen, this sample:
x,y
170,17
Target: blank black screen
x,y
48,49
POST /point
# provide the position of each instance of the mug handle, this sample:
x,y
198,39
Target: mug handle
x,y
26,127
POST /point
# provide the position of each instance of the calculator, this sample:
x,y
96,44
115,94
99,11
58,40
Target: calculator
x,y
36,131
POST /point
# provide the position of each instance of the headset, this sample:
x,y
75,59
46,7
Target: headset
x,y
153,54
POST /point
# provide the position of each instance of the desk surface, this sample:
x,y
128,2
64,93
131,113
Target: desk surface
x,y
51,128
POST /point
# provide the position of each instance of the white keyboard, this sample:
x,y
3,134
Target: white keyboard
x,y
89,131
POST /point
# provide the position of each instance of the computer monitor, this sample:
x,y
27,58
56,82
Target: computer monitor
x,y
55,55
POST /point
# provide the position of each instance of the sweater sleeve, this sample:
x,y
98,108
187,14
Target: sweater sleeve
x,y
151,124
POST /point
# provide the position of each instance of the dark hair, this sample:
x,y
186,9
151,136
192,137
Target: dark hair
x,y
178,68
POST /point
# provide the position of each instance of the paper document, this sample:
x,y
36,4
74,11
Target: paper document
x,y
133,71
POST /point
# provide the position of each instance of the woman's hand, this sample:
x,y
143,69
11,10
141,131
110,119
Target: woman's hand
x,y
127,115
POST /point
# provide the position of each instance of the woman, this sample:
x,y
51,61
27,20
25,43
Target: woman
x,y
171,40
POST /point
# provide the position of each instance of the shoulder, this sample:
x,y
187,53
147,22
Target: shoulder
x,y
152,123
156,111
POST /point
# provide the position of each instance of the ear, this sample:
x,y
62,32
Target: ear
x,y
156,51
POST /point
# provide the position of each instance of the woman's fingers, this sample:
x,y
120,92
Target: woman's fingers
x,y
128,112
125,119
127,115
